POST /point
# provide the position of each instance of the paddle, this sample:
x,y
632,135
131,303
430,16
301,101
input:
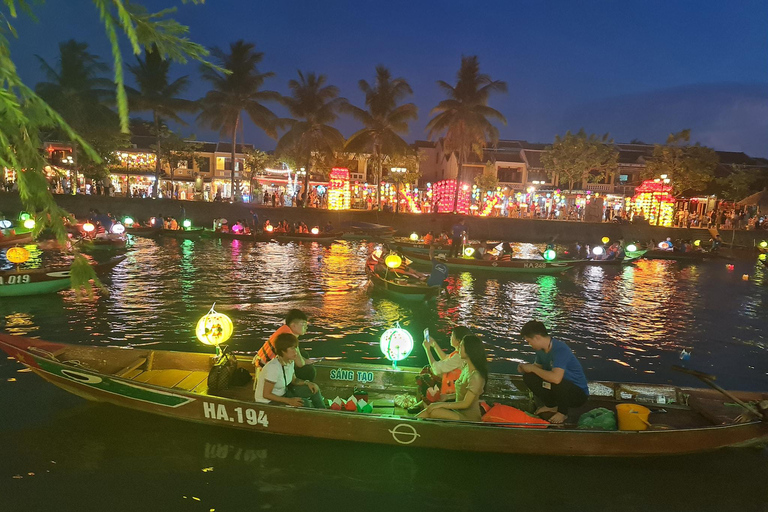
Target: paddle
x,y
708,380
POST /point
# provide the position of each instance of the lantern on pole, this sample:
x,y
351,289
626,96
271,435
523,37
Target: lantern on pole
x,y
214,328
396,344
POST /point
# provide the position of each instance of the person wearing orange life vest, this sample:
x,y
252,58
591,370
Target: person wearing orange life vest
x,y
296,322
447,366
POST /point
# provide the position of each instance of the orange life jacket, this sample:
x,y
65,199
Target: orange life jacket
x,y
448,387
267,351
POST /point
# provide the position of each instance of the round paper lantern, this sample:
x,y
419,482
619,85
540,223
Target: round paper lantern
x,y
5,224
664,245
118,229
761,257
88,227
187,223
377,253
697,243
393,260
469,251
396,344
128,222
415,237
605,239
315,230
550,254
29,223
17,255
631,248
597,251
24,216
269,229
214,328
764,245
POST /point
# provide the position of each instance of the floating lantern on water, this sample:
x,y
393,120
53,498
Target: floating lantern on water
x,y
631,248
605,239
118,229
550,254
88,227
745,277
729,267
597,251
17,255
697,243
214,328
187,223
5,224
315,230
469,251
393,261
414,237
128,222
29,223
396,344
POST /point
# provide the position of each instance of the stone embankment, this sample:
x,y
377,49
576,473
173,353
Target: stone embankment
x,y
522,230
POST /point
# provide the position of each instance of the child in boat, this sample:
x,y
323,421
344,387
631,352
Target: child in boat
x,y
278,382
555,377
469,386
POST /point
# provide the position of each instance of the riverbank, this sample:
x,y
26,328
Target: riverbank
x,y
521,230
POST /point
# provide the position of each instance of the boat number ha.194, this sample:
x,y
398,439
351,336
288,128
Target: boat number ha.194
x,y
240,415
17,279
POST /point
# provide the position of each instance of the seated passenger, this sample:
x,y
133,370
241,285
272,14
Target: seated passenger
x,y
429,238
448,367
278,383
469,386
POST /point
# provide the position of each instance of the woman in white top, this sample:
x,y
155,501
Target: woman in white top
x,y
278,382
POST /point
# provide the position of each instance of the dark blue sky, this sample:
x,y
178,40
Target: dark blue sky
x,y
636,69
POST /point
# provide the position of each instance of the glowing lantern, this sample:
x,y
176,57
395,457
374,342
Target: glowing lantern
x,y
17,255
393,260
214,328
396,344
764,245
631,248
550,254
697,243
187,223
29,223
315,230
745,277
377,253
761,257
605,239
118,229
469,251
153,221
339,193
128,222
269,228
24,216
654,198
88,227
597,251
5,224
665,245
414,237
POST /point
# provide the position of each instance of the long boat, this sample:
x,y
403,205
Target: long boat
x,y
661,254
307,237
397,287
403,243
41,281
366,231
144,231
627,260
245,237
174,384
12,240
514,265
192,233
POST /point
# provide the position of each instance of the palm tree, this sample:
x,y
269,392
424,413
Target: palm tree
x,y
314,106
236,91
79,93
383,121
465,114
158,95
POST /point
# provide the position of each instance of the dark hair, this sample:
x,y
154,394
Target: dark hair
x,y
532,328
460,332
295,314
285,341
475,350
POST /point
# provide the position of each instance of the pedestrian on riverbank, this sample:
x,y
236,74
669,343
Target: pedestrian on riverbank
x,y
457,238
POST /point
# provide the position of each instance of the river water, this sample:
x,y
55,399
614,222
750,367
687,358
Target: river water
x,y
624,323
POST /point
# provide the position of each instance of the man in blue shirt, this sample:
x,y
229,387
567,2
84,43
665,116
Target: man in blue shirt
x,y
556,377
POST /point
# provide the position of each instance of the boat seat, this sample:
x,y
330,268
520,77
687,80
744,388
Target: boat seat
x,y
132,370
715,410
162,378
193,380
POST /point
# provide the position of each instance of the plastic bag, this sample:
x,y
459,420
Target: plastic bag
x,y
598,419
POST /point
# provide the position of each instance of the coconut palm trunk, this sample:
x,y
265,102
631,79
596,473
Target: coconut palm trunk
x,y
158,167
232,172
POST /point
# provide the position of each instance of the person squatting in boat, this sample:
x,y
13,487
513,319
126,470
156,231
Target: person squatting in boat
x,y
556,377
469,386
278,381
296,323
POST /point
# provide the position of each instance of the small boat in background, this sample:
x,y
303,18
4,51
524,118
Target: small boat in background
x,y
662,254
189,233
398,285
307,237
40,281
146,232
366,230
11,240
514,265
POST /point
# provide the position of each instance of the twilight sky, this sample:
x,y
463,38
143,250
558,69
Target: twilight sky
x,y
638,69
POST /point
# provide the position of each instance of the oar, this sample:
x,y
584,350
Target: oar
x,y
708,380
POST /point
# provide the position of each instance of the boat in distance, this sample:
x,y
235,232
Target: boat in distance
x,y
174,384
513,265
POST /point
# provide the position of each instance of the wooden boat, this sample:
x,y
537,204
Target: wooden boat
x,y
307,237
192,233
146,232
40,281
510,266
366,231
174,384
404,243
661,254
103,243
18,239
400,287
627,260
250,237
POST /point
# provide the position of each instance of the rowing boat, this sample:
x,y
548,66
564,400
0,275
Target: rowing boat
x,y
11,240
245,237
193,233
661,254
174,384
612,262
400,286
146,232
366,231
407,244
514,265
307,237
40,281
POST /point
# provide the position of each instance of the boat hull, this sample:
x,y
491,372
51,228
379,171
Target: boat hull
x,y
401,292
658,254
511,266
33,282
404,432
307,237
11,241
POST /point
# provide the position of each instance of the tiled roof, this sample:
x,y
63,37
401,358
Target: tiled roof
x,y
226,147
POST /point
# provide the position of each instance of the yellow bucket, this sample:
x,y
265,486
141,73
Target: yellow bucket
x,y
633,417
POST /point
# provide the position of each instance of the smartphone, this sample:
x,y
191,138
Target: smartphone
x,y
426,333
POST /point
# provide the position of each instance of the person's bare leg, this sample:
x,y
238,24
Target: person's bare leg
x,y
544,408
558,418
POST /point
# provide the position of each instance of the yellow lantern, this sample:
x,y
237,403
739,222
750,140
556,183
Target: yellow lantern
x,y
697,243
88,227
17,255
269,228
415,237
605,239
469,251
315,230
393,260
214,328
